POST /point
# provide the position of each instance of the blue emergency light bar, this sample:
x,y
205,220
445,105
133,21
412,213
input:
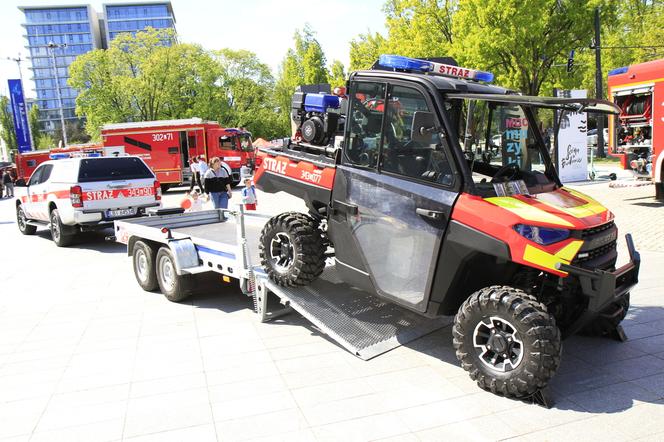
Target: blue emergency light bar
x,y
431,67
618,71
59,156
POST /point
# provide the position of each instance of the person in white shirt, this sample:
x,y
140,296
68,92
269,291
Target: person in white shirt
x,y
195,174
202,167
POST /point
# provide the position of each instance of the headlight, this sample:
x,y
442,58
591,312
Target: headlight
x,y
542,235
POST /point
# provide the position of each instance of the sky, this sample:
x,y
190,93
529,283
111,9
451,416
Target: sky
x,y
265,27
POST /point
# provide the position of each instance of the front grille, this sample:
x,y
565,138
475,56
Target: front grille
x,y
595,230
599,247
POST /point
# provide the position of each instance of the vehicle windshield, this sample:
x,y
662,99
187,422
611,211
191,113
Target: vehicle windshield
x,y
501,147
246,143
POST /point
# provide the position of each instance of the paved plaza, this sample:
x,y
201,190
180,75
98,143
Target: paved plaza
x,y
86,355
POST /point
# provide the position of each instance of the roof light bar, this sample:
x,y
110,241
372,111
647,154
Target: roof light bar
x,y
618,71
431,67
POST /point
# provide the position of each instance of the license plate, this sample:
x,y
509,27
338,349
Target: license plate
x,y
120,213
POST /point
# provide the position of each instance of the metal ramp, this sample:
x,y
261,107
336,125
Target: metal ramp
x,y
360,322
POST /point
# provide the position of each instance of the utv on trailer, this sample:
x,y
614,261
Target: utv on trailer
x,y
436,192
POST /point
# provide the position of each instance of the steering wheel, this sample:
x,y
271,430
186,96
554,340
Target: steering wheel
x,y
513,167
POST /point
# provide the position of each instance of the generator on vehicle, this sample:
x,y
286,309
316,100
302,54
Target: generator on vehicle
x,y
437,194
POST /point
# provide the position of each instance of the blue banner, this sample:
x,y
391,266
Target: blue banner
x,y
21,126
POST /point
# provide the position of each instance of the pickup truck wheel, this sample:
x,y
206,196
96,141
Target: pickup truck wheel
x,y
57,231
507,341
292,249
144,266
175,287
609,318
22,222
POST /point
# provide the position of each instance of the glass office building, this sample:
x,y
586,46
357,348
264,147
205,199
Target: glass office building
x,y
77,29
133,17
74,30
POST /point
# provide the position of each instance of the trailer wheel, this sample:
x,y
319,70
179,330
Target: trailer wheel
x,y
175,287
609,319
22,222
292,250
144,266
507,341
60,238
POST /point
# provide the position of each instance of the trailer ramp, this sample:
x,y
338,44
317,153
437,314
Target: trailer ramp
x,y
363,324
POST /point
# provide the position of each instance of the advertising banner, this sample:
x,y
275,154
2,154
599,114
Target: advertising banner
x,y
572,145
20,112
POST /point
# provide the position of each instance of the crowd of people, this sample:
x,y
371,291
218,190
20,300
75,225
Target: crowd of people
x,y
7,180
214,181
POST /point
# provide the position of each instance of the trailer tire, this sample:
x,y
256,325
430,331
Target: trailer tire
x,y
609,318
292,250
175,288
22,222
143,260
60,238
501,319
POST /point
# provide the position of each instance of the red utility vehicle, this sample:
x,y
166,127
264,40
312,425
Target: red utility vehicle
x,y
637,134
167,145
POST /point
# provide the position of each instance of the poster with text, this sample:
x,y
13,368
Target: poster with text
x,y
572,152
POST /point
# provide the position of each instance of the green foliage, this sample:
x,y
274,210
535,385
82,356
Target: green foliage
x,y
45,141
419,28
365,50
33,122
337,74
305,64
246,93
140,79
7,124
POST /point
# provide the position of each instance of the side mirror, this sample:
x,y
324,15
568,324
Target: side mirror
x,y
424,124
20,183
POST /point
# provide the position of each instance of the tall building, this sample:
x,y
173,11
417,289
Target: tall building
x,y
133,17
75,30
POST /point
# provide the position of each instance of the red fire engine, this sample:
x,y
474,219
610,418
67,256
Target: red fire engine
x,y
166,146
27,162
636,136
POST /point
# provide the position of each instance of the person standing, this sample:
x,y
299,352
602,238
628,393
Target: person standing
x,y
217,183
202,167
249,195
8,183
195,173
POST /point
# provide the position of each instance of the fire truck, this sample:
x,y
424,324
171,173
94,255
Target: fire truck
x,y
167,145
636,135
27,162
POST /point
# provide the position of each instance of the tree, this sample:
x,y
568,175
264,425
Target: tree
x,y
419,28
365,50
7,124
305,64
141,78
33,122
337,74
247,88
521,42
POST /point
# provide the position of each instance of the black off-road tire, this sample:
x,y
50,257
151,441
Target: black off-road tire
x,y
21,221
303,259
176,288
609,319
143,262
533,326
60,238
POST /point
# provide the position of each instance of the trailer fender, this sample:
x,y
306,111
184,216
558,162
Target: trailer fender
x,y
184,254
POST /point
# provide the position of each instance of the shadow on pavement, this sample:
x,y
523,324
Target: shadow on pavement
x,y
89,241
650,204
